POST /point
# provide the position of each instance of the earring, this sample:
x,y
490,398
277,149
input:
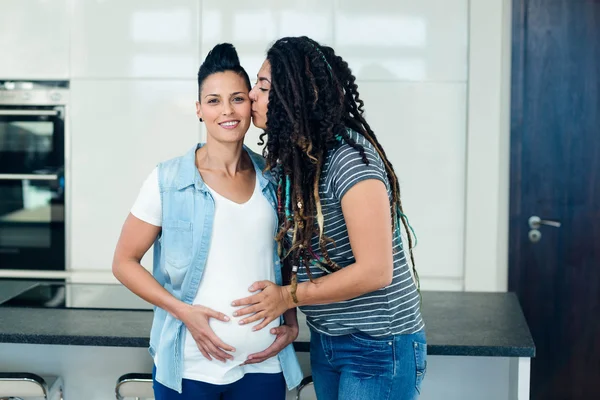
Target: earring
x,y
200,119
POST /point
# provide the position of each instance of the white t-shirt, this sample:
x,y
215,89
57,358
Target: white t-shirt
x,y
241,253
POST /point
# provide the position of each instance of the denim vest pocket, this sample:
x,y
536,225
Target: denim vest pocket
x,y
176,242
421,363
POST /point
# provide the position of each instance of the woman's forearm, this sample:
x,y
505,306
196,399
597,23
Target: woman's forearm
x,y
141,282
290,317
347,283
136,239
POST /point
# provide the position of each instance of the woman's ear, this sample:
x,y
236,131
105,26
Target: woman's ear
x,y
198,112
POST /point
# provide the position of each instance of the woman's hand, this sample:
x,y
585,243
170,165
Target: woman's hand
x,y
269,304
286,334
196,319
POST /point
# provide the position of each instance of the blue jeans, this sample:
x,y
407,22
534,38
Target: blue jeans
x,y
358,366
250,387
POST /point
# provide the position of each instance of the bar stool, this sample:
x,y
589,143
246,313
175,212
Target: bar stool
x,y
23,385
137,386
306,389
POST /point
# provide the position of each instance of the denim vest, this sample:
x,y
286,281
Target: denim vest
x,y
180,254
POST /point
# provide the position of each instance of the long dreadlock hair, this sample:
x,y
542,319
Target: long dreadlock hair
x,y
313,101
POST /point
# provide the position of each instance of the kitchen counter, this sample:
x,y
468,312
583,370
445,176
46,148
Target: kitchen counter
x,y
457,323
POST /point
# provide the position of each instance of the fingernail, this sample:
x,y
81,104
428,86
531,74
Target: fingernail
x,y
249,357
251,288
253,328
242,322
234,304
227,318
235,314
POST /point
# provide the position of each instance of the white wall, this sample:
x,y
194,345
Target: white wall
x,y
428,70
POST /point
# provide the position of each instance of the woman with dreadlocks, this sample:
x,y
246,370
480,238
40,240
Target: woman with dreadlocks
x,y
341,220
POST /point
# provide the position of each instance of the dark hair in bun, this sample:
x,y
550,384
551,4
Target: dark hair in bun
x,y
223,57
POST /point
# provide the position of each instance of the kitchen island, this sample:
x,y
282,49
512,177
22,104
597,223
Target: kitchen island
x,y
479,345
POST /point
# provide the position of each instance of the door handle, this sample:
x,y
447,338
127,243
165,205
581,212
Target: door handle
x,y
535,222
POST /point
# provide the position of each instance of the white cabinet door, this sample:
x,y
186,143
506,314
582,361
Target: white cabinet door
x,y
34,39
384,40
119,131
135,39
422,127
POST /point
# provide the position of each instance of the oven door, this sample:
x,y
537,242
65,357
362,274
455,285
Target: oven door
x,y
32,140
32,190
32,223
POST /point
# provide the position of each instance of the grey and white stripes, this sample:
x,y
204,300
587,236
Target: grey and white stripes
x,y
392,310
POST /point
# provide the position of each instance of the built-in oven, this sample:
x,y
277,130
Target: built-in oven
x,y
32,175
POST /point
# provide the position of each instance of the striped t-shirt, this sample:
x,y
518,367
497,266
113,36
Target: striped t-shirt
x,y
392,310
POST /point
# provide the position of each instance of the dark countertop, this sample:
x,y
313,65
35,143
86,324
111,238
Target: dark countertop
x,y
476,324
457,323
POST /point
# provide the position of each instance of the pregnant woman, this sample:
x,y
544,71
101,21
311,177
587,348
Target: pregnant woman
x,y
211,215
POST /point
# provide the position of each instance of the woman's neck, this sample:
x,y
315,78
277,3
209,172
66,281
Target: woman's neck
x,y
228,158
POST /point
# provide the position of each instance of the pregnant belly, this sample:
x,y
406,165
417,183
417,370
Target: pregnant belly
x,y
218,297
242,338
